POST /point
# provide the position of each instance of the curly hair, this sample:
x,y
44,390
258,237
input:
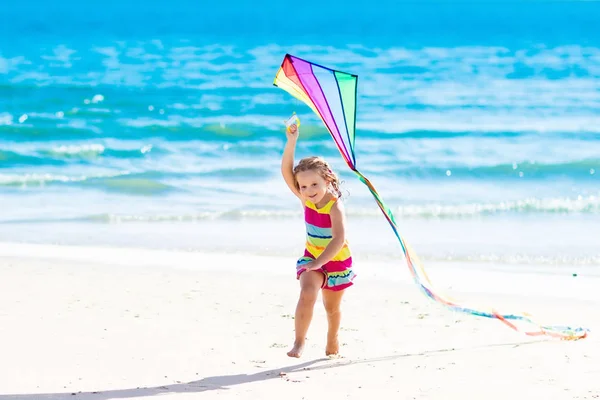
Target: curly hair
x,y
320,166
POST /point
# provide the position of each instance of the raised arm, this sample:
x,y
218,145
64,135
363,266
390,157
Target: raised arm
x,y
287,161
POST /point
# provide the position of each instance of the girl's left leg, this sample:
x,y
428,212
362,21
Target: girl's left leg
x,y
332,301
310,283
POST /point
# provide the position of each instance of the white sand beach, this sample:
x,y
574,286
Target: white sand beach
x,y
116,323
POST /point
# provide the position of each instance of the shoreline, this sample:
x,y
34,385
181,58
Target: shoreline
x,y
553,242
445,274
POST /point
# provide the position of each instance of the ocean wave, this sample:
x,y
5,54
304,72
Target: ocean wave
x,y
9,159
379,125
581,205
43,155
411,159
145,184
83,150
72,130
96,150
41,179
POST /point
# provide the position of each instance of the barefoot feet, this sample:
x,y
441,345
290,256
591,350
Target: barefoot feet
x,y
333,346
297,350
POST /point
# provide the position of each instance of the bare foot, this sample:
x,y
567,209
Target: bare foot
x,y
296,351
333,346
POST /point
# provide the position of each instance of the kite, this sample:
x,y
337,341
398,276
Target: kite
x,y
332,95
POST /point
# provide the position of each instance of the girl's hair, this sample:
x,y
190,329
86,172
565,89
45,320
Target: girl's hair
x,y
320,166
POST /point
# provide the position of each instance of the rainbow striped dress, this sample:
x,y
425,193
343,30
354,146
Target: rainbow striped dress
x,y
338,271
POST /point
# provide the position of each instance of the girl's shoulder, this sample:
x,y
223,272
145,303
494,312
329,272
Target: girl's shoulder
x,y
334,202
337,203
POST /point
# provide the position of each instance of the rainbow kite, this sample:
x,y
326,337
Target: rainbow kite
x,y
332,96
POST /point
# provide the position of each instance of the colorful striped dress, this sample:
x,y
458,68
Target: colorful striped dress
x,y
338,271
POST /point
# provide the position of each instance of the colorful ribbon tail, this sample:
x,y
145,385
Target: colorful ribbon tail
x,y
423,282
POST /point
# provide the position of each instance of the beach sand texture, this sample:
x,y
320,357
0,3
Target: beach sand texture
x,y
110,323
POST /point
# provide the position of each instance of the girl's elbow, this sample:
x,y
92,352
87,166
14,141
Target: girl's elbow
x,y
339,241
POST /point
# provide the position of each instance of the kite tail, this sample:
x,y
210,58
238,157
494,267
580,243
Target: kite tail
x,y
422,280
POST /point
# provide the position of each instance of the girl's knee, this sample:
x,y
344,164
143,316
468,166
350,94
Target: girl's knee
x,y
332,300
309,293
333,309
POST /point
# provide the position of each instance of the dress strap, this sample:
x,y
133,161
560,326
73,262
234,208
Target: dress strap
x,y
323,210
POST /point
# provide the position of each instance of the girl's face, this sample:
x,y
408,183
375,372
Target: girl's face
x,y
312,186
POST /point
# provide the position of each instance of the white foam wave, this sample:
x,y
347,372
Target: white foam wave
x,y
580,205
144,122
78,149
42,179
47,115
6,119
81,124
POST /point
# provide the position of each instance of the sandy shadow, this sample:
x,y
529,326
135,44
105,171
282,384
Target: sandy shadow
x,y
225,382
205,384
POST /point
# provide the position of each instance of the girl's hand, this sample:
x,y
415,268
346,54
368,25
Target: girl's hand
x,y
292,132
311,266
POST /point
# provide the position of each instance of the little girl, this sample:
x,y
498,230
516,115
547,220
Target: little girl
x,y
327,262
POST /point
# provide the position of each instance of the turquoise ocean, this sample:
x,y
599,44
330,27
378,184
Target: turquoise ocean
x,y
158,125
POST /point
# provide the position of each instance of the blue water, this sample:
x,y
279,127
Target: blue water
x,y
470,114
